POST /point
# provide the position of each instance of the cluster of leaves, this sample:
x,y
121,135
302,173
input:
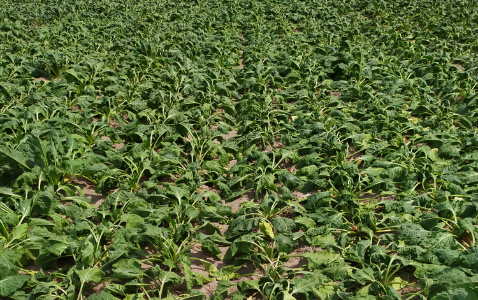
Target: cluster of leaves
x,y
351,124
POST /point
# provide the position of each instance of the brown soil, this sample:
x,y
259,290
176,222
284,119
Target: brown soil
x,y
45,79
115,146
410,289
300,195
276,145
366,197
459,66
209,288
231,163
197,266
89,191
297,262
291,167
114,124
231,134
207,188
118,146
236,204
241,61
95,289
355,155
247,269
170,179
41,79
222,227
336,94
241,65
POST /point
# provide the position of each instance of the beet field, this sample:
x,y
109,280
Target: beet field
x,y
239,149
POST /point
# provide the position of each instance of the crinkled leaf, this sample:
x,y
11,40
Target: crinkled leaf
x,y
209,247
91,274
10,284
321,258
266,228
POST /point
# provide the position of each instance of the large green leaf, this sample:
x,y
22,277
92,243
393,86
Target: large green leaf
x,y
14,155
10,284
90,274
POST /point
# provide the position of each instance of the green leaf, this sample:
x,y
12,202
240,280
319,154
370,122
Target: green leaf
x,y
127,268
45,201
11,284
14,155
104,295
290,180
266,182
91,274
178,192
364,276
169,278
213,166
228,273
56,247
324,240
287,296
133,221
247,285
210,268
20,232
283,225
364,293
326,291
312,283
188,276
87,257
457,293
8,258
412,233
284,242
449,151
307,222
338,271
209,247
321,259
116,288
308,170
201,279
136,296
8,192
222,289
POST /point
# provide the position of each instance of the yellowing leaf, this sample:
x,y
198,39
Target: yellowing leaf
x,y
398,283
266,228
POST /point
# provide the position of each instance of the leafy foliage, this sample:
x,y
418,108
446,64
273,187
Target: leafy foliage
x,y
130,131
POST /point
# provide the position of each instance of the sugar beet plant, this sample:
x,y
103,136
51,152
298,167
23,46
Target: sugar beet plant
x,y
238,149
